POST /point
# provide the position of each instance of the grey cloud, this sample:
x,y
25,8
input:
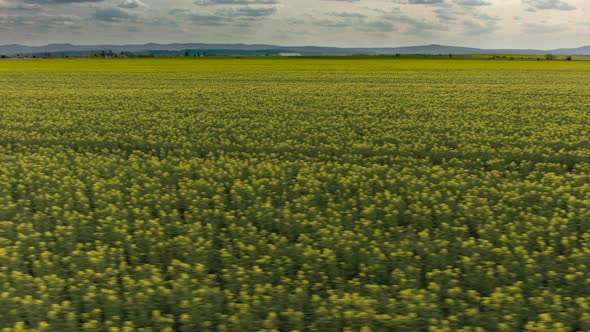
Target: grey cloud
x,y
241,16
535,5
486,18
248,12
295,21
349,15
40,21
57,2
341,20
234,2
446,15
332,24
392,21
164,21
382,26
415,25
472,20
361,25
472,3
477,28
207,19
481,24
422,2
19,7
113,15
131,4
395,10
536,28
176,11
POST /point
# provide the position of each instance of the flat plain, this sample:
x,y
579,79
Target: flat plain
x,y
294,194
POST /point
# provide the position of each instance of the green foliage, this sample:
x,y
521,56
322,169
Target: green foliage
x,y
294,195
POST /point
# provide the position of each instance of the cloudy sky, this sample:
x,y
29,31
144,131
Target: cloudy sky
x,y
372,23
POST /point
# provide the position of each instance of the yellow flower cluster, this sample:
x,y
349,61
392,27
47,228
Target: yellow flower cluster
x,y
294,195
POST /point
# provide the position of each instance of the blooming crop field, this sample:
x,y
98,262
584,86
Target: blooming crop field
x,y
294,195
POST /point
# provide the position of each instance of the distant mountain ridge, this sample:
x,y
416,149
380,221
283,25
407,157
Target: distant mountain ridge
x,y
304,50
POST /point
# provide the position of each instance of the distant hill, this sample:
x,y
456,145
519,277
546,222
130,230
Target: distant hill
x,y
584,50
248,49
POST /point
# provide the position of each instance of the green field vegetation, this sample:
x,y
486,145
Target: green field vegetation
x,y
537,57
502,57
296,194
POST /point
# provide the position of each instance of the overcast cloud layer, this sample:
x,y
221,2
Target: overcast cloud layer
x,y
542,24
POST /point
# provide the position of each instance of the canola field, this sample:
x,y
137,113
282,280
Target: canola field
x,y
294,195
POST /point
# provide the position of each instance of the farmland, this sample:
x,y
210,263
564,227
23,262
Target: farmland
x,y
294,194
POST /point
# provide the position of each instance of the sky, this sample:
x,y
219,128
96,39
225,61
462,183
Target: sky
x,y
541,24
